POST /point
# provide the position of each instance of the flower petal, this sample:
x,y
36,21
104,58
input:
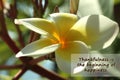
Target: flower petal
x,y
40,48
95,30
64,21
38,25
63,55
78,69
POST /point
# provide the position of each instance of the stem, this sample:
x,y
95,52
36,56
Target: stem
x,y
12,14
3,29
36,36
45,6
1,5
35,61
38,8
47,57
56,9
20,36
31,36
10,43
21,40
38,12
19,74
74,6
4,34
11,66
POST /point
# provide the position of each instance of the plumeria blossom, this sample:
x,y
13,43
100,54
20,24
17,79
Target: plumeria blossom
x,y
66,34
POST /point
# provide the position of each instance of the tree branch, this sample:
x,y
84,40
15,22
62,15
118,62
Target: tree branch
x,y
74,6
56,9
3,29
38,8
20,73
33,36
44,72
12,14
45,57
21,41
45,6
35,61
4,34
11,66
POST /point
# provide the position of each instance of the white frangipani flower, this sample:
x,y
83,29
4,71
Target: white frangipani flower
x,y
66,34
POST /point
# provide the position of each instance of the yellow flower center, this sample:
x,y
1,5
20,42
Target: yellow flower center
x,y
59,40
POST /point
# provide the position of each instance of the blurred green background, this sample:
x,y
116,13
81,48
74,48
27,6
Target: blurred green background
x,y
26,9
